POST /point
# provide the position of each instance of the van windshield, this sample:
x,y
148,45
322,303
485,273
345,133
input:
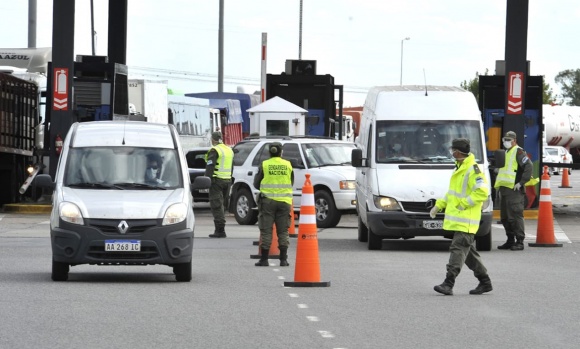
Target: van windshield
x,y
124,168
412,141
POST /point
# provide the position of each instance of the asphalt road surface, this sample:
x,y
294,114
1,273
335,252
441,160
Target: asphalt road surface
x,y
376,299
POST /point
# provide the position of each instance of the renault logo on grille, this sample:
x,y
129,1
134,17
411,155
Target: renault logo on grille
x,y
123,227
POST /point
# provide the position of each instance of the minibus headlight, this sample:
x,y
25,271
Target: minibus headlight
x,y
71,213
386,203
347,185
176,213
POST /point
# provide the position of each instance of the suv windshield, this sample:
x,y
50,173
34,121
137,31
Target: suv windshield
x,y
327,154
400,141
123,168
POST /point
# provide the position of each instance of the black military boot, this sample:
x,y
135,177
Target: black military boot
x,y
263,262
218,233
484,286
518,246
283,256
446,287
508,244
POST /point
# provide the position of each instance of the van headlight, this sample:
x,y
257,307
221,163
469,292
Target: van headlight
x,y
386,203
176,213
70,213
347,185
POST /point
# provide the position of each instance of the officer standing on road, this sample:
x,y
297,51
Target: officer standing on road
x,y
274,179
511,180
467,192
219,168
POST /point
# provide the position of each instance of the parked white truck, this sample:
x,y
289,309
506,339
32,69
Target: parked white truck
x,y
149,99
402,160
194,120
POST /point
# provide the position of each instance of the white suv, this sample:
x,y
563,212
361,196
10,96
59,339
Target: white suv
x,y
557,154
325,159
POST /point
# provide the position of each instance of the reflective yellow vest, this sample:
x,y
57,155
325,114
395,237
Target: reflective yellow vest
x,y
506,177
277,182
223,166
468,190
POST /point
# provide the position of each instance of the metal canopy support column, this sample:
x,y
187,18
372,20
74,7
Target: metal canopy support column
x,y
63,35
515,62
117,47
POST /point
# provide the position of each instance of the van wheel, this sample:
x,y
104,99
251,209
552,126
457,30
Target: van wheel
x,y
243,212
327,216
363,232
483,243
375,242
59,271
182,272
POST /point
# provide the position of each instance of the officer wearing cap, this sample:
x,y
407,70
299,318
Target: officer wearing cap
x,y
462,203
219,168
510,181
274,179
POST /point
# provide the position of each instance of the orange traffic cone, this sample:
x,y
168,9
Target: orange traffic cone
x,y
545,233
565,179
292,228
307,272
274,250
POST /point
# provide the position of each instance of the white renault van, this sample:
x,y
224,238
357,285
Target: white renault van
x,y
121,197
402,160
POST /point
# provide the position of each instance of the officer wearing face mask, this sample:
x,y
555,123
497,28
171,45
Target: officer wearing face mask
x,y
462,203
510,182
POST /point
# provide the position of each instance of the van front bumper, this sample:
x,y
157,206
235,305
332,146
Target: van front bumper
x,y
82,244
398,224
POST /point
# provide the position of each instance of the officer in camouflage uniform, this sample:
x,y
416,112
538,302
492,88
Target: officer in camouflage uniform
x,y
511,180
468,190
275,178
219,168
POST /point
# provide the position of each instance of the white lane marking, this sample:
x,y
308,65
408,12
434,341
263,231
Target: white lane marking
x,y
275,269
280,277
44,222
326,334
559,234
313,318
293,295
303,306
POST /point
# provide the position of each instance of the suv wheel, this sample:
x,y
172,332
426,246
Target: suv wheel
x,y
243,211
327,216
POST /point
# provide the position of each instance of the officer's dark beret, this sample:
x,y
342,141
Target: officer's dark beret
x,y
276,149
461,144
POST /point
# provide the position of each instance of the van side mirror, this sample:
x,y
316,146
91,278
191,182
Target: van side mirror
x,y
201,182
356,157
499,158
44,181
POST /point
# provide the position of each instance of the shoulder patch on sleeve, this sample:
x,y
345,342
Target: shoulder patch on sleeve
x,y
524,159
209,162
479,180
476,169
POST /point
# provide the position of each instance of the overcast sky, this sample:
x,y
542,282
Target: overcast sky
x,y
357,42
